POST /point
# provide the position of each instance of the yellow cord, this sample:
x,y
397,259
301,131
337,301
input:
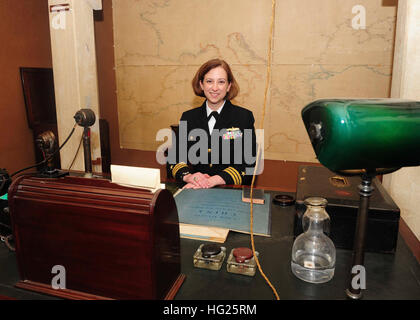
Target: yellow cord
x,y
273,4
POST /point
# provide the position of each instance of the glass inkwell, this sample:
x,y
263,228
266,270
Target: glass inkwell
x,y
242,261
209,256
313,252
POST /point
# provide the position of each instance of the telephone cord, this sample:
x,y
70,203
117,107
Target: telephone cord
x,y
270,43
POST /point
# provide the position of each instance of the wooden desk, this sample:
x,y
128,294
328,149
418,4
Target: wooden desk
x,y
389,276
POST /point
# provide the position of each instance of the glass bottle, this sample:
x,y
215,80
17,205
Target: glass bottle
x,y
313,253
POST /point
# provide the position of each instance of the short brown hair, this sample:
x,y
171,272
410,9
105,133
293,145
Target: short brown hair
x,y
206,67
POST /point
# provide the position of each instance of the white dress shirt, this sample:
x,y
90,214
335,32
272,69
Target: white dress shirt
x,y
212,121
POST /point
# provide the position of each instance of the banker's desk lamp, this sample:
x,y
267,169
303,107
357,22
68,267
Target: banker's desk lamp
x,y
367,138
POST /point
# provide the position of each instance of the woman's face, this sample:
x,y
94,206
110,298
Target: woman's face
x,y
215,86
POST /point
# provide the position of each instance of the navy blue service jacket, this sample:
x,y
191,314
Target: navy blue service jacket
x,y
229,151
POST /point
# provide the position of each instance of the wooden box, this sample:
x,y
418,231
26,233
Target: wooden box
x,y
114,242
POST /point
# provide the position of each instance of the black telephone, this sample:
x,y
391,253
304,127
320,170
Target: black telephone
x,y
6,234
5,181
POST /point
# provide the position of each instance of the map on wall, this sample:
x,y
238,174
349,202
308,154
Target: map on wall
x,y
317,53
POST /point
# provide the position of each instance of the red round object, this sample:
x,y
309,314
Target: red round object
x,y
242,254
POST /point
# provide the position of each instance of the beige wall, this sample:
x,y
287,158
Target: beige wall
x,y
404,185
316,54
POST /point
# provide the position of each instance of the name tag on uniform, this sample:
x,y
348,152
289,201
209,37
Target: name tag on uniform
x,y
232,133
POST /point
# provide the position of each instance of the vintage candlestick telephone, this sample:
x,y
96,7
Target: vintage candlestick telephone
x,y
365,137
46,141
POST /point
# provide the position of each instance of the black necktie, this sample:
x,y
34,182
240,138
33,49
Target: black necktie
x,y
214,114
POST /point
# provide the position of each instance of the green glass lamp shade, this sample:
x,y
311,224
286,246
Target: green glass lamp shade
x,y
364,134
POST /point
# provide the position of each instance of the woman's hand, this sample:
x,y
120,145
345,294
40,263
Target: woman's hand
x,y
202,181
198,180
191,186
215,181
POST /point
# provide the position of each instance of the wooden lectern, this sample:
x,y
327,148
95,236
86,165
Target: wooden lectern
x,y
114,242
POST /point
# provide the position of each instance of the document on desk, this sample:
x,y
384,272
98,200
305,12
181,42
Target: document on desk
x,y
145,178
223,208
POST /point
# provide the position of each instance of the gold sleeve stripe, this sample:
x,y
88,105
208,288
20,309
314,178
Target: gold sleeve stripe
x,y
177,167
237,175
232,175
237,179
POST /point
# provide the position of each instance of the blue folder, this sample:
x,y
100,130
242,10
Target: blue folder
x,y
223,208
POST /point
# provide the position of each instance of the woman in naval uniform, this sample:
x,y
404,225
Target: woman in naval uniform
x,y
216,142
